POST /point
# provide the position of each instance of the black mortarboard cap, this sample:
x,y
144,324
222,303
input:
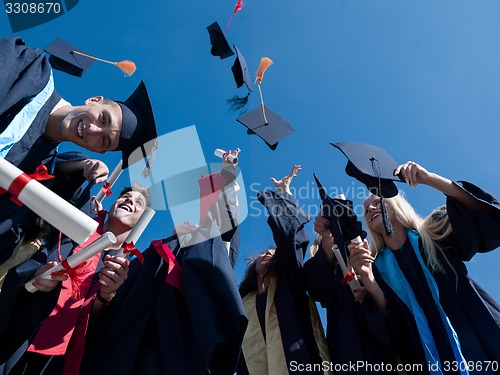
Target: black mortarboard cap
x,y
274,131
372,166
138,123
341,210
240,71
62,58
220,46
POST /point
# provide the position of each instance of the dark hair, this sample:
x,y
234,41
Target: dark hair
x,y
250,280
140,189
249,283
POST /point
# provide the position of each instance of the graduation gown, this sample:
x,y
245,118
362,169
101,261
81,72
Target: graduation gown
x,y
154,327
287,222
21,312
25,73
474,315
355,332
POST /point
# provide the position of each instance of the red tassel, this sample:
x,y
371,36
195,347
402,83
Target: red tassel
x,y
80,276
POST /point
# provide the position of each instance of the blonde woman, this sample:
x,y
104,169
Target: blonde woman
x,y
439,317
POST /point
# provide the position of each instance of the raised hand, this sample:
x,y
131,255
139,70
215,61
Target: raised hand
x,y
283,185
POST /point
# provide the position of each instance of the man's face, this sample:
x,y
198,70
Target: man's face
x,y
95,126
128,208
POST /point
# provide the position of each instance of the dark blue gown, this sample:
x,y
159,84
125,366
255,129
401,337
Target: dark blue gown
x,y
24,72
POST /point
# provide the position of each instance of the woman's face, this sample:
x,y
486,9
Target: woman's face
x,y
263,260
373,214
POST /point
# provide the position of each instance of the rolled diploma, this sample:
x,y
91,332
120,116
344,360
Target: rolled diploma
x,y
221,153
111,180
354,283
138,228
106,240
49,206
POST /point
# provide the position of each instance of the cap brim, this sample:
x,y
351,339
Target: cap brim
x,y
63,58
273,132
372,166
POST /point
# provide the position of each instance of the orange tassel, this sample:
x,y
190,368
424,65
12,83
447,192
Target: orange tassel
x,y
265,63
127,67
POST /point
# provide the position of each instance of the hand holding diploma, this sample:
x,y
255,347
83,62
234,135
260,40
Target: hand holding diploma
x,y
136,233
106,240
106,189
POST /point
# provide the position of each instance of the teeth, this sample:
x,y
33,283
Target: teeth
x,y
79,128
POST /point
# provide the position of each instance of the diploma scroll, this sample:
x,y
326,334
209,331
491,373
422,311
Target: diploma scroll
x,y
222,154
346,271
106,240
48,205
110,181
138,228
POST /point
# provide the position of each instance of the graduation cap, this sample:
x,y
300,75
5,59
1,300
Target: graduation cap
x,y
271,131
374,167
220,46
69,59
240,71
138,123
344,223
241,77
62,57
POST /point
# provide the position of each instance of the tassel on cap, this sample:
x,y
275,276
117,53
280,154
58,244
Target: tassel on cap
x,y
126,66
265,63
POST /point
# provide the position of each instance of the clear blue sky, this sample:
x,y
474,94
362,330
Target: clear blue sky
x,y
419,78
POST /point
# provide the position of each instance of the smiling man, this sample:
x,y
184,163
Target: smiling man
x,y
44,332
34,119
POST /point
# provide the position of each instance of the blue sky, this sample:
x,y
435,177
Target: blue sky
x,y
419,78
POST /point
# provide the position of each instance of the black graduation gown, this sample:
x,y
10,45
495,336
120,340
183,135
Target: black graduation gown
x,y
152,327
21,312
287,222
24,73
474,314
355,332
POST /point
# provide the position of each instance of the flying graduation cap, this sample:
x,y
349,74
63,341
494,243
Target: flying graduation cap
x,y
268,125
241,77
220,46
374,167
69,59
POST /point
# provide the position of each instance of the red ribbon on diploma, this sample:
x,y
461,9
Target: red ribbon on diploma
x,y
106,189
349,277
129,247
17,186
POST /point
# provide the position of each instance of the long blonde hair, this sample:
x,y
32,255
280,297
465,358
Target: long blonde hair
x,y
432,230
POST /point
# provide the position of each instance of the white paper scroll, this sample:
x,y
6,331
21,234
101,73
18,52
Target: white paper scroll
x,y
111,180
106,240
138,228
221,154
354,283
49,206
